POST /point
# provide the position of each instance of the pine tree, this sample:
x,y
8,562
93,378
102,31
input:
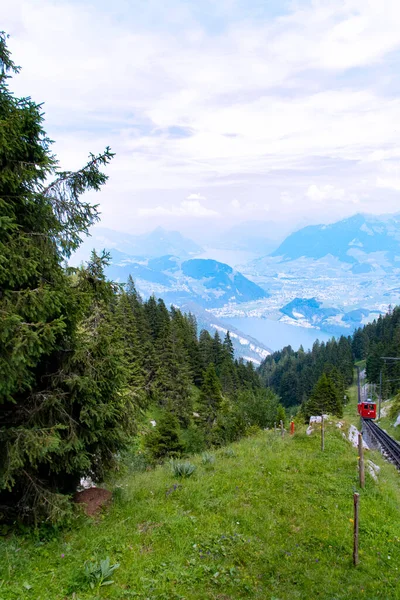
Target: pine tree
x,y
227,346
133,349
325,398
206,348
59,418
173,374
163,441
210,397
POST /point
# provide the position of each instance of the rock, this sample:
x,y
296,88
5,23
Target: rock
x,y
154,423
93,499
373,470
397,422
353,437
318,419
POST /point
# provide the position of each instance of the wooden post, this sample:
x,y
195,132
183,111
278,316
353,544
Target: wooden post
x,y
355,545
361,465
275,427
322,433
282,430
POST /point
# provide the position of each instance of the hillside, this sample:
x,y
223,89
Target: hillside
x,y
271,518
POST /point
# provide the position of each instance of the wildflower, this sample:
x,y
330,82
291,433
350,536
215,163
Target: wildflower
x,y
62,555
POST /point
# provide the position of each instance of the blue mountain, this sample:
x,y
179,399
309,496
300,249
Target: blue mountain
x,y
209,283
219,276
347,240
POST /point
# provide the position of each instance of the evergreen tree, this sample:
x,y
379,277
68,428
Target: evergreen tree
x,y
173,375
206,348
133,349
210,397
61,383
227,347
163,441
325,398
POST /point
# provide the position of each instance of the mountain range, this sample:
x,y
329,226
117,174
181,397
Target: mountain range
x,y
332,277
206,282
158,242
363,241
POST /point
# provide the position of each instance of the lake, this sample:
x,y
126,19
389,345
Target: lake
x,y
276,335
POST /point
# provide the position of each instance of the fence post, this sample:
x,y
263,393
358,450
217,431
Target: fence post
x,y
355,543
275,427
282,430
322,433
361,461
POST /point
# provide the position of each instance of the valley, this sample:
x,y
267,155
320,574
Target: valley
x,y
318,282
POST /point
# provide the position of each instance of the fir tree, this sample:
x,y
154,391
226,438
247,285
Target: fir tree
x,y
210,397
57,420
163,441
325,398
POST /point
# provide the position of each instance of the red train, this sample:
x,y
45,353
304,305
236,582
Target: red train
x,y
367,410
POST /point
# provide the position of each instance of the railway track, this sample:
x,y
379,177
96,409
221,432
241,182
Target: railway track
x,y
389,446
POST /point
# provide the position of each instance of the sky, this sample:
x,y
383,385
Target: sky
x,y
219,112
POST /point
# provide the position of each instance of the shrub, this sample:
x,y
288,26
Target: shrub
x,y
228,452
182,469
193,439
98,574
252,430
207,458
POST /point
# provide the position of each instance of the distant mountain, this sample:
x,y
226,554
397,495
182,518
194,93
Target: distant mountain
x,y
207,282
351,240
159,242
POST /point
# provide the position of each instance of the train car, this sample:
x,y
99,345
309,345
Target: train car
x,y
367,410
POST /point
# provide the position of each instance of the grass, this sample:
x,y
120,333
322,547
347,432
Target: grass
x,y
270,521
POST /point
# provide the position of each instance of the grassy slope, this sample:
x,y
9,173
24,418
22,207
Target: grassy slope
x,y
273,522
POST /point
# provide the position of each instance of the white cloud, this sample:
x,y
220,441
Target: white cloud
x,y
187,208
196,197
256,100
323,193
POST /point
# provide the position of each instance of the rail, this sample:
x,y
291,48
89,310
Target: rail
x,y
389,446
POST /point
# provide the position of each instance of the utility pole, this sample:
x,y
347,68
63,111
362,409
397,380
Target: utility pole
x,y
358,385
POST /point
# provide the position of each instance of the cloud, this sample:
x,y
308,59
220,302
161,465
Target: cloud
x,y
323,193
235,98
196,197
187,208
